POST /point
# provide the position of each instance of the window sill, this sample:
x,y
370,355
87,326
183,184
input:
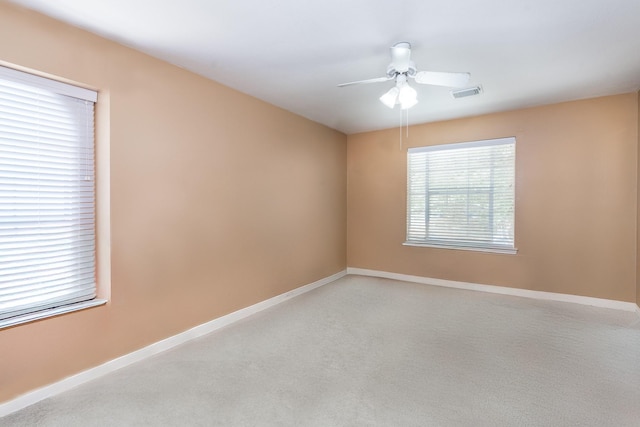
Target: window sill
x,y
43,314
507,251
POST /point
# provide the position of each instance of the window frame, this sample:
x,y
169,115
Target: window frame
x,y
101,200
461,244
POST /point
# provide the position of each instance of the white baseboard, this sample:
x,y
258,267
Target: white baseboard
x,y
551,296
68,383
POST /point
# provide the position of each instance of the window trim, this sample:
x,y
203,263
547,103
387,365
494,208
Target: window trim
x,y
461,245
102,202
50,312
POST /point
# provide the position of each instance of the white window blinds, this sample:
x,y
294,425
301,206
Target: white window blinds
x,y
47,198
462,195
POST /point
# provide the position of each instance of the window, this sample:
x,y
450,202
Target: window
x,y
461,196
47,197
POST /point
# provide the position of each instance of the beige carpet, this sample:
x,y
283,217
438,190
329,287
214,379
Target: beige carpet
x,y
376,352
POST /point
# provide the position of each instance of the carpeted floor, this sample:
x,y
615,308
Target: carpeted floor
x,y
376,352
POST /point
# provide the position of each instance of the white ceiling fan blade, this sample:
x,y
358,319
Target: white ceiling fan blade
x,y
401,56
376,80
440,78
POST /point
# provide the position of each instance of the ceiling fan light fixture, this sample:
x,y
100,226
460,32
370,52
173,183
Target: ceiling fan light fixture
x,y
391,97
408,97
408,104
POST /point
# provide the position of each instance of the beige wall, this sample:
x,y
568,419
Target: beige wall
x,y
218,201
576,194
638,215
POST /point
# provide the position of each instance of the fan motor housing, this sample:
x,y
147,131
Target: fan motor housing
x,y
409,72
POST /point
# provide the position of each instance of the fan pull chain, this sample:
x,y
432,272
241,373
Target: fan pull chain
x,y
407,123
400,148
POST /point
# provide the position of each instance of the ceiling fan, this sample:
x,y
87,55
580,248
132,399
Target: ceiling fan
x,y
401,69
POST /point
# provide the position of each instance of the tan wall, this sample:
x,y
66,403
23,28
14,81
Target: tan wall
x,y
638,215
218,201
575,220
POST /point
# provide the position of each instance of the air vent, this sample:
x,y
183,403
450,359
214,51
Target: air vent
x,y
470,91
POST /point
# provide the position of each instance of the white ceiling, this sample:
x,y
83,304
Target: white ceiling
x,y
293,53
